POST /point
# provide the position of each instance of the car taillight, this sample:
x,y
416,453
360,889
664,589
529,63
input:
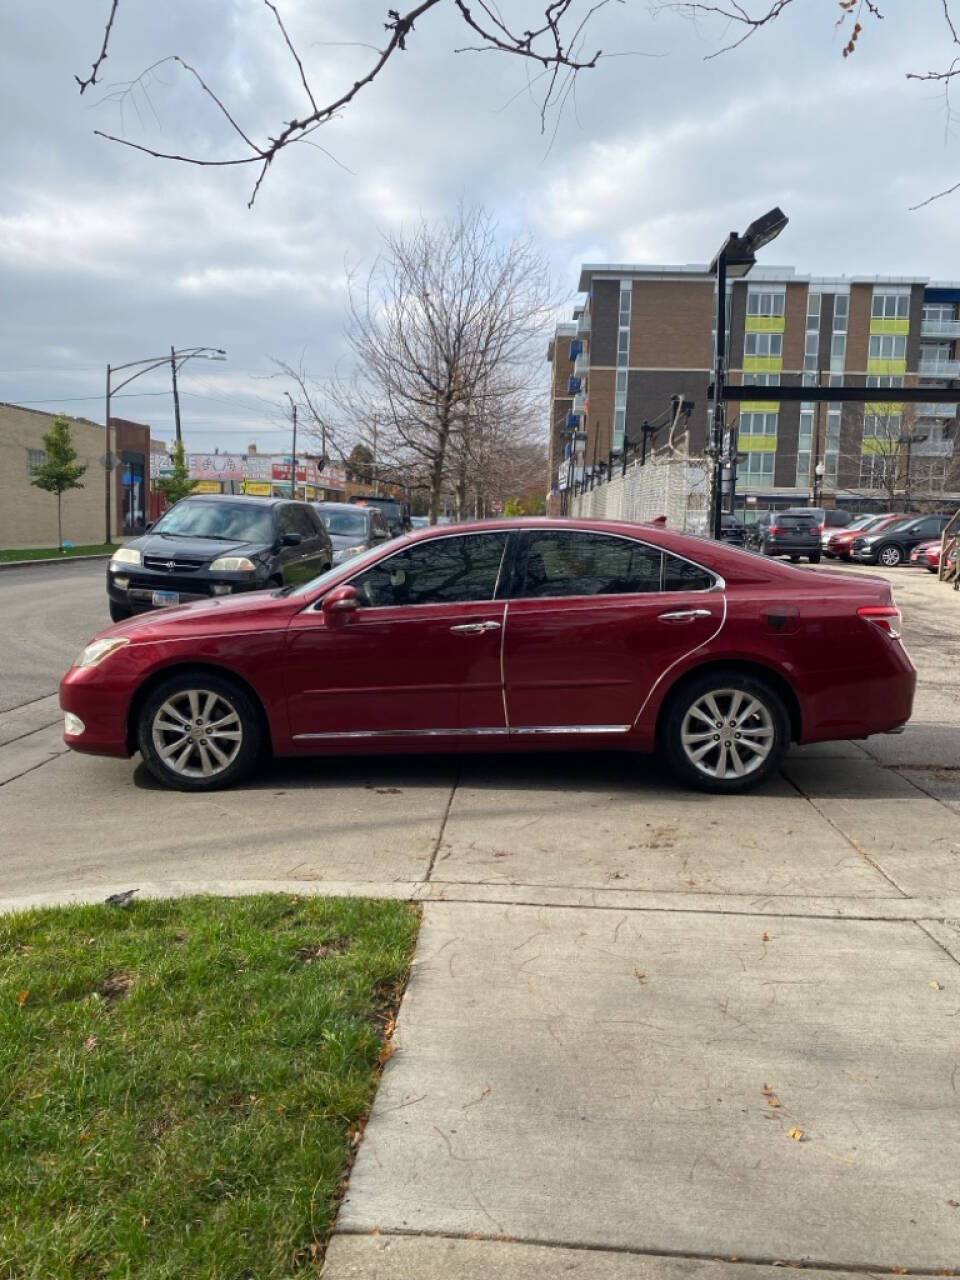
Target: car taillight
x,y
774,528
885,616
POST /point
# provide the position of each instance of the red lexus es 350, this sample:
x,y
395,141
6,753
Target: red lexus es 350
x,y
505,636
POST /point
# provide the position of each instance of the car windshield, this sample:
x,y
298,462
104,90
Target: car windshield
x,y
862,522
898,524
392,510
234,521
352,524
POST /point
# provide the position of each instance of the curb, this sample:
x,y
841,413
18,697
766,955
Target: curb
x,y
32,564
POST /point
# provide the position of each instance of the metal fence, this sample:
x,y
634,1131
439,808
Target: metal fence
x,y
673,487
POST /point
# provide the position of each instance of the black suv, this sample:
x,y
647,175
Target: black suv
x,y
395,511
213,545
892,545
793,533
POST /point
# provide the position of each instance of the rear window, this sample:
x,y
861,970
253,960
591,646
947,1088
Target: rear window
x,y
796,522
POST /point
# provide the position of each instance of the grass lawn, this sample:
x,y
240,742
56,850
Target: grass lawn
x,y
183,1083
54,553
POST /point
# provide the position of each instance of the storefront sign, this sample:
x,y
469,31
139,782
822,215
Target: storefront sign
x,y
207,486
258,488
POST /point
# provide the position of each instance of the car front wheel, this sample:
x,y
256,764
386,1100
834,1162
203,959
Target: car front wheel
x,y
889,556
119,612
725,732
815,558
199,732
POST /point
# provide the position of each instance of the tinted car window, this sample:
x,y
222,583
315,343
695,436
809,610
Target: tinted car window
x,y
796,522
303,522
588,564
239,521
441,571
681,575
349,521
930,526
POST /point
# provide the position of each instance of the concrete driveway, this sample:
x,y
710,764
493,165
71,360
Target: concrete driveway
x,y
646,1029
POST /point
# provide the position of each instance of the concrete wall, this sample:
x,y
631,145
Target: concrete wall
x,y
28,515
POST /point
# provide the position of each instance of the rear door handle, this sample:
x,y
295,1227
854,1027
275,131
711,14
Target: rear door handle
x,y
685,615
475,628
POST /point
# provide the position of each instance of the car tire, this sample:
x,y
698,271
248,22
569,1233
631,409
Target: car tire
x,y
815,558
119,612
191,762
794,559
889,555
691,754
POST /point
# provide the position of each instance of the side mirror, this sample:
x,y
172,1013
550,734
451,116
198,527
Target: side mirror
x,y
291,539
340,604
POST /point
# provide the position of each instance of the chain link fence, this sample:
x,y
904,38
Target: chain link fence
x,y
673,487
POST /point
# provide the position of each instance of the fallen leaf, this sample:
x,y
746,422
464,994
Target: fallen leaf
x,y
85,1135
386,1053
900,1271
766,936
796,1134
771,1097
937,986
90,1044
639,975
954,1204
22,999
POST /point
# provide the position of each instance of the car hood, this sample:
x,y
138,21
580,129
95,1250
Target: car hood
x,y
341,540
220,613
168,547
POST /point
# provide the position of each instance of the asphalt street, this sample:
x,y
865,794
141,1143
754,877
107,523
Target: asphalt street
x,y
646,1029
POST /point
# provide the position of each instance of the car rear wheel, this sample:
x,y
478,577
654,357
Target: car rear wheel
x,y
199,732
119,612
815,558
725,732
889,555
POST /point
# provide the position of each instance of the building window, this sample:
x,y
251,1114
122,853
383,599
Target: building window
x,y
763,344
939,313
36,458
813,311
803,470
619,427
625,306
886,382
761,379
758,470
758,424
890,306
888,346
622,382
766,303
841,312
623,347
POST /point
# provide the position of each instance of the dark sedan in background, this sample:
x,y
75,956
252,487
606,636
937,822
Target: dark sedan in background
x,y
892,546
215,545
352,529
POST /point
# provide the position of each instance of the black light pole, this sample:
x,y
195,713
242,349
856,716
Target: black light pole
x,y
735,257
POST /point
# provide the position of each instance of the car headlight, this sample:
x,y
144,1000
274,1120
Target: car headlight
x,y
97,650
126,555
347,553
234,564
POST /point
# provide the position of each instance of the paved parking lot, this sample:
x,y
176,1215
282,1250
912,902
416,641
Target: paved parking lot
x,y
616,980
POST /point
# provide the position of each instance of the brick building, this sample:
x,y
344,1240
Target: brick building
x,y
28,515
645,334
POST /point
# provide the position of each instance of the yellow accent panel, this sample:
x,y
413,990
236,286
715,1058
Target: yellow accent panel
x,y
757,444
759,406
887,368
767,324
763,364
883,408
883,445
900,324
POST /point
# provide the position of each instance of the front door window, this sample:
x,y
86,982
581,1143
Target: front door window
x,y
440,571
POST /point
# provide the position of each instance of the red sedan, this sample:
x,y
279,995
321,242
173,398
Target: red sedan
x,y
838,543
927,554
508,635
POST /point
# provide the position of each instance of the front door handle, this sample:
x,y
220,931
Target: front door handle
x,y
685,615
475,628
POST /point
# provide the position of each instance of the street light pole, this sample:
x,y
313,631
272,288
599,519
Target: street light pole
x,y
293,469
176,395
107,469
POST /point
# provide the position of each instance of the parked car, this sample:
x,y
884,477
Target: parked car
x,y
396,513
792,533
352,529
732,531
419,522
927,554
495,636
828,517
216,545
891,546
838,543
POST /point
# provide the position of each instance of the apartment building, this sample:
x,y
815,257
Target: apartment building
x,y
645,334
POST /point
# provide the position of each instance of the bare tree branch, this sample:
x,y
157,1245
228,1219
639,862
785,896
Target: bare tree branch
x,y
546,44
102,55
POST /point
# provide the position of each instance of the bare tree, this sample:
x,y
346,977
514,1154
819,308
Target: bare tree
x,y
444,334
743,20
314,420
554,46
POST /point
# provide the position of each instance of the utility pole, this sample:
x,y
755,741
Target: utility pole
x,y
176,394
719,407
293,469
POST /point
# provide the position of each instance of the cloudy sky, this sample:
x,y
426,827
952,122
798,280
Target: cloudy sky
x,y
109,255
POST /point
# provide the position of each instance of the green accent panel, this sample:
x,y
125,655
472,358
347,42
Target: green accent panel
x,y
896,325
759,406
767,324
757,444
763,364
887,368
882,407
883,445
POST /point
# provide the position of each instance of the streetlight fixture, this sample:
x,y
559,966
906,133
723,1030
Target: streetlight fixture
x,y
176,359
733,259
819,471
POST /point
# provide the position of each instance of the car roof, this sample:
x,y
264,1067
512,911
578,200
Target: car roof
x,y
245,498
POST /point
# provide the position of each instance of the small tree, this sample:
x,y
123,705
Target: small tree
x,y
179,485
61,471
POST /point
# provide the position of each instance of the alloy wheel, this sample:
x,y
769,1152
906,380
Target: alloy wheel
x,y
197,733
727,733
890,557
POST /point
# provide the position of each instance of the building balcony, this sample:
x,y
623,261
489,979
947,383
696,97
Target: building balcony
x,y
937,410
580,402
939,368
574,385
583,324
940,329
581,365
933,449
